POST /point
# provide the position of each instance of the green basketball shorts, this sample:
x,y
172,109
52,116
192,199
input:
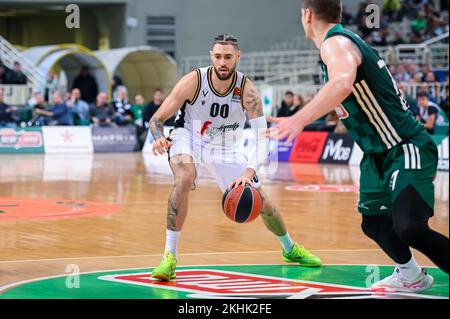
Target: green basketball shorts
x,y
384,176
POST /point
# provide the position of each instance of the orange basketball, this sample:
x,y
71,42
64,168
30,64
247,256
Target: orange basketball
x,y
242,204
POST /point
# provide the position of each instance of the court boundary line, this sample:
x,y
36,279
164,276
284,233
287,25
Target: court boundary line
x,y
182,254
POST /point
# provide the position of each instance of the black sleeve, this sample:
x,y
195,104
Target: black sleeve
x,y
432,110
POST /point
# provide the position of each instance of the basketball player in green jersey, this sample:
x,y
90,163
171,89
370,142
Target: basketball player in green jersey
x,y
400,158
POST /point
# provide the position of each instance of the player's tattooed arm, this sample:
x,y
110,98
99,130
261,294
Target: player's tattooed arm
x,y
156,127
183,91
252,101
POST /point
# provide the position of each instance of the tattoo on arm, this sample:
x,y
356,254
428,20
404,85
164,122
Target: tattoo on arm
x,y
156,128
254,104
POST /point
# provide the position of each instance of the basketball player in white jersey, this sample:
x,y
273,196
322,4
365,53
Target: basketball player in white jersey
x,y
213,102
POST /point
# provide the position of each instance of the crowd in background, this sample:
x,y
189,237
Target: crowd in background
x,y
428,99
84,105
423,17
12,76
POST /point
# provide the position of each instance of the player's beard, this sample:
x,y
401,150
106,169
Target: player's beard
x,y
227,76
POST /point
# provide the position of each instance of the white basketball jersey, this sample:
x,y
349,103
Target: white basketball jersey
x,y
211,117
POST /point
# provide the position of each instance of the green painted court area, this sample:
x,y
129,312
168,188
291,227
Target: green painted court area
x,y
329,281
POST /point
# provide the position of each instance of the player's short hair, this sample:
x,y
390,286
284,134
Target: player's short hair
x,y
423,94
226,38
289,93
326,10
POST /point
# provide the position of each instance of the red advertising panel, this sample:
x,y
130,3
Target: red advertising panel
x,y
308,147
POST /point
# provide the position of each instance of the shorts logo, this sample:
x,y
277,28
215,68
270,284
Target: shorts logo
x,y
394,179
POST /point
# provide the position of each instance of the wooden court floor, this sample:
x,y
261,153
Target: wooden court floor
x,y
117,216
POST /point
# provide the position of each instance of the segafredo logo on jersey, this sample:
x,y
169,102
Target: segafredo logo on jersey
x,y
204,283
341,112
212,131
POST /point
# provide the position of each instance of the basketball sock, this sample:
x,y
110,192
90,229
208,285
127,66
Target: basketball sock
x,y
410,271
286,242
172,238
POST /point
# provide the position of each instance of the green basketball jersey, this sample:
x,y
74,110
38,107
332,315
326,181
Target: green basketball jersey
x,y
376,115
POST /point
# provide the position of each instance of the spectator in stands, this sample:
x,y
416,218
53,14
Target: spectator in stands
x,y
137,108
79,107
101,112
398,39
3,74
424,69
16,76
428,111
286,105
37,102
151,107
412,69
6,118
123,114
66,97
115,83
444,100
347,17
390,8
288,110
87,85
50,86
378,37
402,75
58,114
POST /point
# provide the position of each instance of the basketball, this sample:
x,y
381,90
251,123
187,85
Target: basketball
x,y
242,204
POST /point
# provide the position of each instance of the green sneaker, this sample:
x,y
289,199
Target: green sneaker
x,y
299,254
166,269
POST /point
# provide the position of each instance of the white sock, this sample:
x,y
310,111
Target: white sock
x,y
286,242
172,238
411,270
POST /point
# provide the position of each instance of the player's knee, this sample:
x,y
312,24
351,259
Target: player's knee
x,y
268,208
410,214
185,181
409,231
369,226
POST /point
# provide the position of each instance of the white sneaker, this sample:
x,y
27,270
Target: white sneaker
x,y
395,283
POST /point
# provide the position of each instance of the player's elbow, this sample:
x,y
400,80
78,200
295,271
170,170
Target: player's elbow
x,y
344,85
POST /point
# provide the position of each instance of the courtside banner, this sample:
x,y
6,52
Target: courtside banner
x,y
284,150
27,140
114,139
308,147
338,149
67,139
442,144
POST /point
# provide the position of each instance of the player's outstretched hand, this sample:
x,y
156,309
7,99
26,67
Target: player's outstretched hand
x,y
287,128
161,146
